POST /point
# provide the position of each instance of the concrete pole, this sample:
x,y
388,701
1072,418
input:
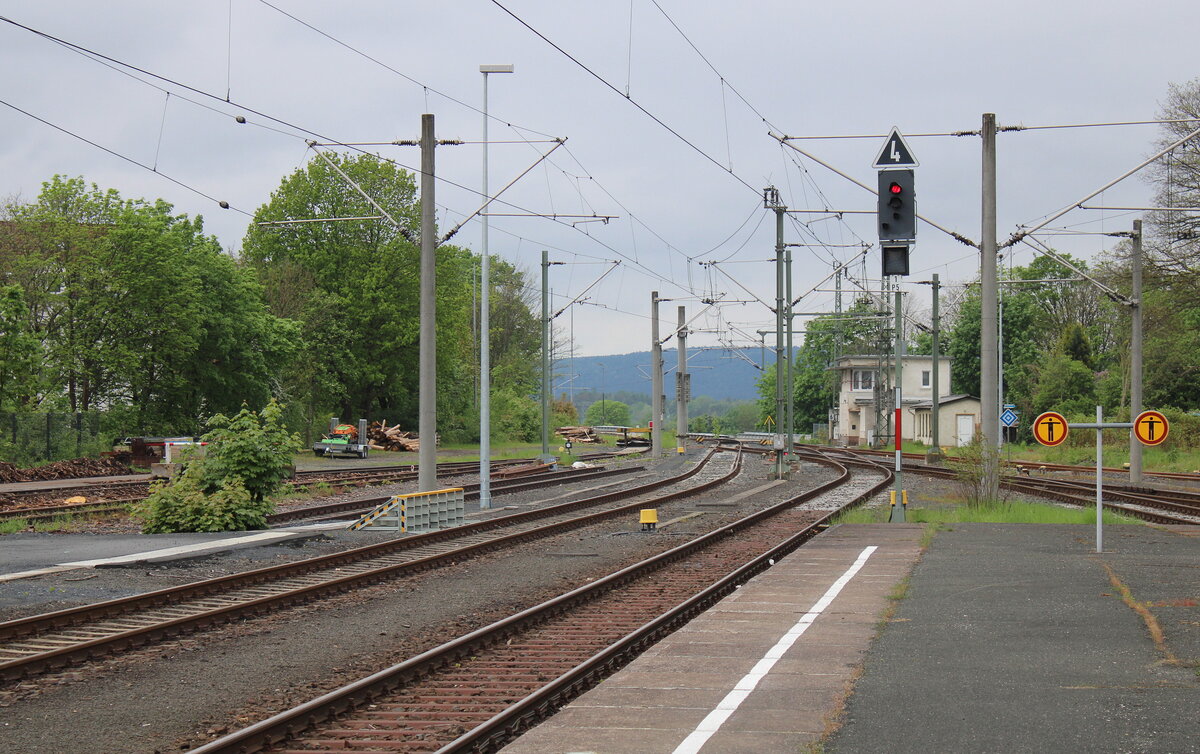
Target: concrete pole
x,y
780,403
1135,355
935,453
988,335
427,401
485,333
897,514
1000,429
681,374
790,357
545,354
656,380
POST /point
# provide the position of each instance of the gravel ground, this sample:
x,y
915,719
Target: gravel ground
x,y
178,694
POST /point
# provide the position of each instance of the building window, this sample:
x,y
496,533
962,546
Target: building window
x,y
925,377
864,379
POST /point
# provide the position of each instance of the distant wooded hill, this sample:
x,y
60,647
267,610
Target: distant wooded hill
x,y
721,373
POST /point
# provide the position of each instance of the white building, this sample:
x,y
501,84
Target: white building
x,y
856,417
958,420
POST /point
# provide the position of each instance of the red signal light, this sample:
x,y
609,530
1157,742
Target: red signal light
x,y
896,189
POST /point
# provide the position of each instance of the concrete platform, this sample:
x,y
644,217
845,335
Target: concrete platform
x,y
1016,638
1009,638
71,484
764,671
28,555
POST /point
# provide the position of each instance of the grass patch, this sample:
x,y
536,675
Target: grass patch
x,y
1007,512
13,525
58,523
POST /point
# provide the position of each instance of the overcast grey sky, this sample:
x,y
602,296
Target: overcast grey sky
x,y
807,68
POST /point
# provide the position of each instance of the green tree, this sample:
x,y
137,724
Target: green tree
x,y
135,307
1066,386
1174,236
355,288
229,488
607,412
19,350
1074,343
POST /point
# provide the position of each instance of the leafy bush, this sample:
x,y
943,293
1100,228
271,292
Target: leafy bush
x,y
253,447
606,412
228,489
185,505
970,466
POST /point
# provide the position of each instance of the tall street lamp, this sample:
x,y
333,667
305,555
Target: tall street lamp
x,y
485,356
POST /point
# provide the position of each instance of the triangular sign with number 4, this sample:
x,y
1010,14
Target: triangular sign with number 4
x,y
895,153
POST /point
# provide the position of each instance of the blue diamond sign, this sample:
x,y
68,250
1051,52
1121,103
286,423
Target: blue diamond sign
x,y
1009,418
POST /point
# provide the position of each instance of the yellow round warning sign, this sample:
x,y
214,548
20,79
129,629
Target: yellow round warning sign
x,y
1150,428
1050,428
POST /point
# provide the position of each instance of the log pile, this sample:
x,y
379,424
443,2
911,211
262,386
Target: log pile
x,y
382,437
579,434
76,467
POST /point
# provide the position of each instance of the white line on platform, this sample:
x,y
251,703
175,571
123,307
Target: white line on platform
x,y
218,544
727,706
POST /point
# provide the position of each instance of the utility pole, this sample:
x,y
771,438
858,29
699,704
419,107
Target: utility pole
x,y
427,367
545,355
772,201
683,381
898,505
1135,355
988,336
485,331
656,380
935,453
791,357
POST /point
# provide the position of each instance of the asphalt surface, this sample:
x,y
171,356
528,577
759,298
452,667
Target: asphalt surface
x,y
1012,638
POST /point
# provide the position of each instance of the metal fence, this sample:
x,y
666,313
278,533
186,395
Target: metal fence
x,y
27,438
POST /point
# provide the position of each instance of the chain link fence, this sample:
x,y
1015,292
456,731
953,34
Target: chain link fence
x,y
33,438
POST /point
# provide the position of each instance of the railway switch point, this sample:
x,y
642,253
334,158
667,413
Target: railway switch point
x,y
649,519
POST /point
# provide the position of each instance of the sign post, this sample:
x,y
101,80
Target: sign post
x,y
1149,428
896,216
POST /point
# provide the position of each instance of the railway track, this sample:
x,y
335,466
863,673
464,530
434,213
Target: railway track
x,y
32,645
1184,476
499,487
117,496
1154,505
480,690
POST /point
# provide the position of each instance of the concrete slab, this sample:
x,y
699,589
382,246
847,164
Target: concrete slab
x,y
1015,638
694,671
28,555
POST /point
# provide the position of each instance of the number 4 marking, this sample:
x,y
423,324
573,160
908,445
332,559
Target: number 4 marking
x,y
895,156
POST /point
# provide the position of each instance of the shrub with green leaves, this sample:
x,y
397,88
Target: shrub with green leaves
x,y
971,466
184,505
255,448
229,489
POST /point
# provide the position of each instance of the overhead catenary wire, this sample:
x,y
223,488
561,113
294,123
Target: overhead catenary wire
x,y
296,131
628,99
107,60
111,62
1021,234
427,88
457,101
219,202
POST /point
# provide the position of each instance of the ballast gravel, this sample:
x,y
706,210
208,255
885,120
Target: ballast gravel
x,y
176,695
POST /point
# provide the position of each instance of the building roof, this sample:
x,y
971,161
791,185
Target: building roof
x,y
852,360
944,400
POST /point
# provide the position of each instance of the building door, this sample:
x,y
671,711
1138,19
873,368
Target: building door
x,y
964,429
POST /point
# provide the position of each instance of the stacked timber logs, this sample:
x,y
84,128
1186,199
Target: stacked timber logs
x,y
382,437
579,434
76,467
